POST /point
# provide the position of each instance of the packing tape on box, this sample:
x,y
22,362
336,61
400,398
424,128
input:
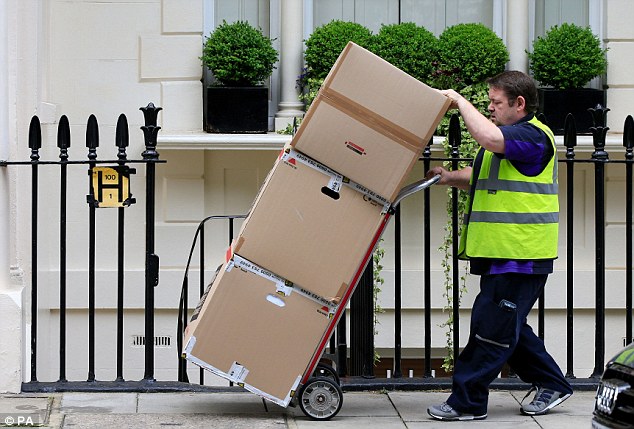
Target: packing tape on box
x,y
336,179
369,118
283,286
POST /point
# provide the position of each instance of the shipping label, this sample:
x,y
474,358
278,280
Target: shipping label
x,y
238,372
336,179
327,306
283,286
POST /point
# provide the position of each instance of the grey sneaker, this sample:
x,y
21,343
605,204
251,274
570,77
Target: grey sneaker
x,y
544,400
445,412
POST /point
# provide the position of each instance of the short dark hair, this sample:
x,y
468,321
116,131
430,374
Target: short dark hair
x,y
515,83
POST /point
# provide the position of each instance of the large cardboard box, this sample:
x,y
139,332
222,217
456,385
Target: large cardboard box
x,y
252,329
370,121
310,227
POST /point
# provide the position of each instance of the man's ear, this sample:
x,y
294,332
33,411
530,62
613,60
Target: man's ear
x,y
521,102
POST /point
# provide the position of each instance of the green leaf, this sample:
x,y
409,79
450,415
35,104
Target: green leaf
x,y
567,57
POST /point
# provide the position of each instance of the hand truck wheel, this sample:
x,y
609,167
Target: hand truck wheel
x,y
320,398
325,370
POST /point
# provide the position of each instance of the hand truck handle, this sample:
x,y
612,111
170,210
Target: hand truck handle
x,y
414,187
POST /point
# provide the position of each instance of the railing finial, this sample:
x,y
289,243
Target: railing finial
x,y
628,137
454,135
35,138
570,132
122,137
63,137
150,130
92,137
599,131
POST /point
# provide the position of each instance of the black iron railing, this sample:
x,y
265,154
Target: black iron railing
x,y
119,170
353,356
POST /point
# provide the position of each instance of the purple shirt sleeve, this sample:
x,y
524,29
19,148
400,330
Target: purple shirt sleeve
x,y
527,147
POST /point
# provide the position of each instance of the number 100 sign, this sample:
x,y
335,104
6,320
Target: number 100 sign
x,y
110,186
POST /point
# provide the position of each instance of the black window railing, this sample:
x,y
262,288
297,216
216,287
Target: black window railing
x,y
110,187
353,357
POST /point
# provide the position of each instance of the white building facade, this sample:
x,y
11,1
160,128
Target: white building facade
x,y
106,57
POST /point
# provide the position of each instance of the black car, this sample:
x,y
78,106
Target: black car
x,y
614,404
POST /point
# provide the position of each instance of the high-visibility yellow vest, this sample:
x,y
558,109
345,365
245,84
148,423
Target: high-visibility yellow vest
x,y
512,216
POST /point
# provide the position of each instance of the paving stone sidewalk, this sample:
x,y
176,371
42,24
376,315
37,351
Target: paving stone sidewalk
x,y
243,410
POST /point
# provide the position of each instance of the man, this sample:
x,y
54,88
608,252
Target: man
x,y
510,238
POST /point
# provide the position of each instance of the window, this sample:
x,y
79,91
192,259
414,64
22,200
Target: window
x,y
434,15
554,12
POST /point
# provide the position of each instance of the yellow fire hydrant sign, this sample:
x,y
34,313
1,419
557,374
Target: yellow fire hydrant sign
x,y
111,186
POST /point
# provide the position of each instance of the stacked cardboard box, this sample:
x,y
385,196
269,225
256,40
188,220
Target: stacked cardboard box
x,y
256,332
370,121
312,225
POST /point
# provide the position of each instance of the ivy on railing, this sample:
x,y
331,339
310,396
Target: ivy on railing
x,y
458,151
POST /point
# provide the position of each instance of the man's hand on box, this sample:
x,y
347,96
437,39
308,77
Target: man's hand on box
x,y
453,96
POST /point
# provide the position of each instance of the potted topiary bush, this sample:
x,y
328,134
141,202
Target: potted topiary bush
x,y
325,44
240,58
565,59
468,53
409,47
323,47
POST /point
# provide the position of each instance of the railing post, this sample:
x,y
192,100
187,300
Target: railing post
x,y
201,286
150,132
427,261
92,142
35,143
398,286
362,325
628,143
63,143
454,141
122,140
600,156
342,346
570,141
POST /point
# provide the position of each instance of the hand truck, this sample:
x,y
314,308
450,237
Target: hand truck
x,y
320,396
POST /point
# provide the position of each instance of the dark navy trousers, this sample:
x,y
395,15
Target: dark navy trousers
x,y
499,333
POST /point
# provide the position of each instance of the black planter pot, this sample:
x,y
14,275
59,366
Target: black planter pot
x,y
555,104
237,109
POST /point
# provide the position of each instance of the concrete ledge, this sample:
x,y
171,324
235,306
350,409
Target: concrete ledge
x,y
348,384
275,141
268,141
139,386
